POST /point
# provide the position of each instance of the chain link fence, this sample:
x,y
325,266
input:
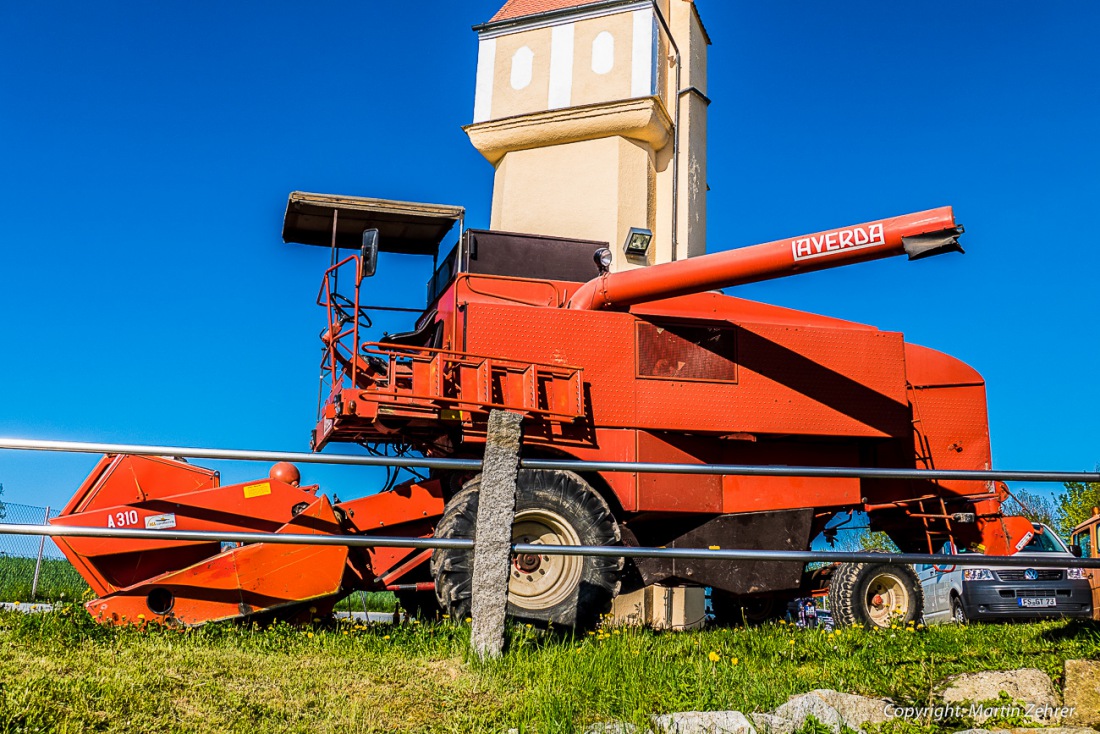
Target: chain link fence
x,y
33,568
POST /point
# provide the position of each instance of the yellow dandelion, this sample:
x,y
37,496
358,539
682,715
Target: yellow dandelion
x,y
614,632
446,616
469,619
313,610
733,661
527,626
385,637
792,642
345,632
309,635
713,656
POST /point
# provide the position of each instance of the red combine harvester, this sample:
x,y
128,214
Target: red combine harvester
x,y
649,365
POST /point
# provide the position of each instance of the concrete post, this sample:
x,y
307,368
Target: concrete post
x,y
496,508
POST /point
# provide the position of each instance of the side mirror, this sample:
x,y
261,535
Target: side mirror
x,y
368,255
1077,551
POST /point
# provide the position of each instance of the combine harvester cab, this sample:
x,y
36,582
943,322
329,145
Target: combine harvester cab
x,y
643,365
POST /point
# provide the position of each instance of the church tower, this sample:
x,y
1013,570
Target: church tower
x,y
594,115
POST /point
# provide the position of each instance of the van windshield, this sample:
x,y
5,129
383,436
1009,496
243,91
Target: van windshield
x,y
1043,541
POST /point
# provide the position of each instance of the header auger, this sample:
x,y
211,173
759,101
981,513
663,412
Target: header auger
x,y
645,365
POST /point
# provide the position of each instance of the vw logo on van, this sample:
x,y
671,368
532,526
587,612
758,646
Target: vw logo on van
x,y
1031,574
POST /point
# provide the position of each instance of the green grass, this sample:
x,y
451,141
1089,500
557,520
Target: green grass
x,y
367,601
57,579
62,672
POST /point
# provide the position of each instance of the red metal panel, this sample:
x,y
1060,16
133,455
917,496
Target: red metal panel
x,y
815,381
614,445
675,492
810,381
718,306
601,343
119,480
949,416
407,502
759,494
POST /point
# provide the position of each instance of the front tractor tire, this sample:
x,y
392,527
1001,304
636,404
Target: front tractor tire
x,y
875,595
552,507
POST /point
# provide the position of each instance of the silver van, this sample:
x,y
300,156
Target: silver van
x,y
959,594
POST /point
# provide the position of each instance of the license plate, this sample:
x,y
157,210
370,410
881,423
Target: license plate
x,y
1039,601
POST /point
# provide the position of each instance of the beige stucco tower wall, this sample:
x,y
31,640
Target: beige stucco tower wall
x,y
576,107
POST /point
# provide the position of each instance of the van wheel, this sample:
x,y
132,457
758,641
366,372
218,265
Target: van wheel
x,y
957,612
875,595
552,507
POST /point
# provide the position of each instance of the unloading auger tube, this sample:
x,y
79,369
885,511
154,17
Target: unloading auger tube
x,y
918,235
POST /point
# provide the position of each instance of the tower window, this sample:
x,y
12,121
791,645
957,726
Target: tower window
x,y
522,63
603,53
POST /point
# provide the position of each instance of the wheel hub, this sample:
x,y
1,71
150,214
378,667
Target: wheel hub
x,y
540,580
527,562
887,597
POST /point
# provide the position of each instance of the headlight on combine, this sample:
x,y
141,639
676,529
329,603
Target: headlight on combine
x,y
977,574
1076,573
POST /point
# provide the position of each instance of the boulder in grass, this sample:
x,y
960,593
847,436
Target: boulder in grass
x,y
1028,686
834,709
1083,691
703,722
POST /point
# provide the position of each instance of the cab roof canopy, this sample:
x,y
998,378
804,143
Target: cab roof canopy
x,y
403,226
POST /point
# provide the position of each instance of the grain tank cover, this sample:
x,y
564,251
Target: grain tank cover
x,y
403,226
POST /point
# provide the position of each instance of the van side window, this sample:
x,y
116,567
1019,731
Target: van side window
x,y
1084,539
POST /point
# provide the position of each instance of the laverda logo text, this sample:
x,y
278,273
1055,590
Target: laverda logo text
x,y
854,238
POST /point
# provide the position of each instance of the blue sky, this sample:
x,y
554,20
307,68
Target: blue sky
x,y
146,151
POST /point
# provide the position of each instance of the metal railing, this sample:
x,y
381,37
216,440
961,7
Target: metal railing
x,y
745,470
611,551
609,466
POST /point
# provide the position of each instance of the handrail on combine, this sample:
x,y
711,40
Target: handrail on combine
x,y
338,317
411,374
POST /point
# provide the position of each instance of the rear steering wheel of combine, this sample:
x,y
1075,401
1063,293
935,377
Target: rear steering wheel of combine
x,y
552,508
875,595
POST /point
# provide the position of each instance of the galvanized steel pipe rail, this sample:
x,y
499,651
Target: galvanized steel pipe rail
x,y
747,470
614,551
